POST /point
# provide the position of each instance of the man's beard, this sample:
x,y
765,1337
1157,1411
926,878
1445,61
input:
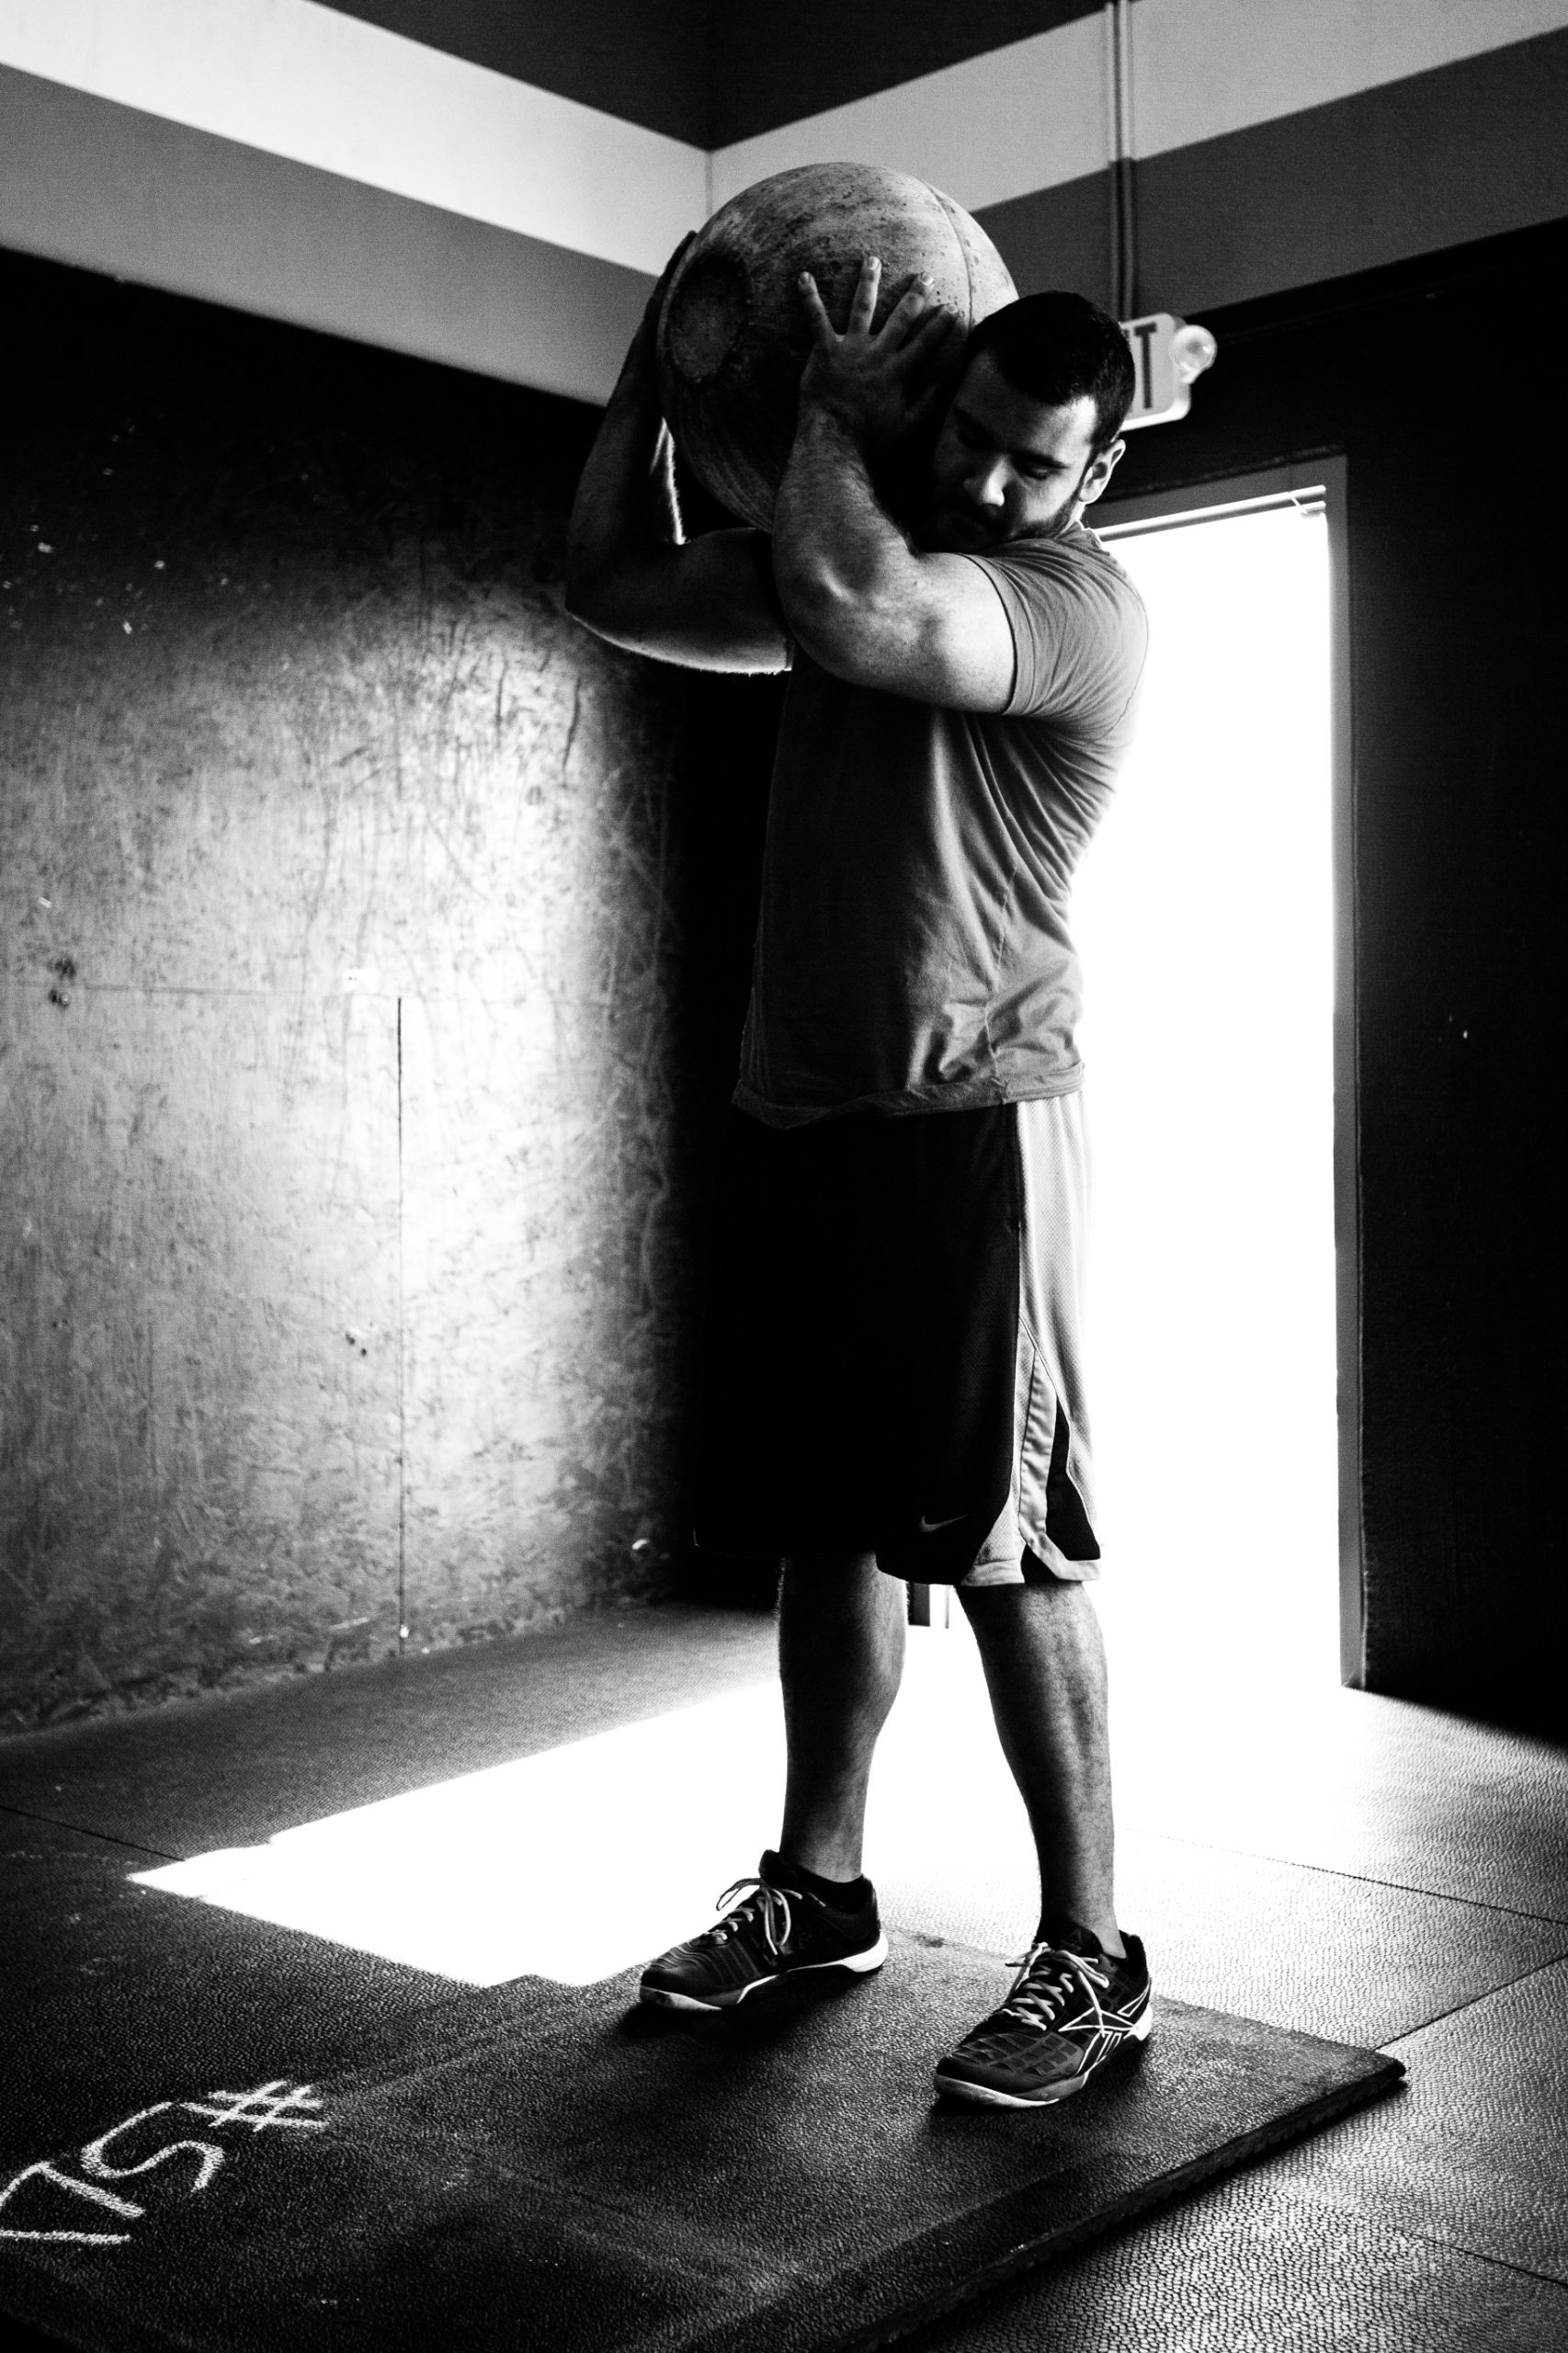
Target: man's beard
x,y
981,539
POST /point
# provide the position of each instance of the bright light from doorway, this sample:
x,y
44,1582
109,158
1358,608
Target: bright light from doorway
x,y
1204,914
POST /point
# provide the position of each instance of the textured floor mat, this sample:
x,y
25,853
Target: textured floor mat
x,y
561,2169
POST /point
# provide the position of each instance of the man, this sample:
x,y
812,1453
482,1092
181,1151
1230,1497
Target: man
x,y
894,1388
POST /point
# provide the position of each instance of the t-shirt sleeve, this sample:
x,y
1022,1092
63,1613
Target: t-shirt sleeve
x,y
1079,631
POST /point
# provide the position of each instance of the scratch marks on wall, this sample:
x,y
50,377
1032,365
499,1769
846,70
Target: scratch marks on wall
x,y
335,1089
198,1197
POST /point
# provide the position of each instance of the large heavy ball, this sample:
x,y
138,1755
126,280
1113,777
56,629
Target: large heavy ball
x,y
733,334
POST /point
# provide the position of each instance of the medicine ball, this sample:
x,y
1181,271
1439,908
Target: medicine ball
x,y
733,332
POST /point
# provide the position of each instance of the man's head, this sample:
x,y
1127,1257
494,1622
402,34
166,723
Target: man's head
x,y
1031,434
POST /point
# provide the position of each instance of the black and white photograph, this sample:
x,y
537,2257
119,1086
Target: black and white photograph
x,y
783,836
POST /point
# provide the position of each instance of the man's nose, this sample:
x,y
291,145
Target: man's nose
x,y
987,485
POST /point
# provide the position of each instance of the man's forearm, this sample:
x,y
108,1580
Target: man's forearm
x,y
625,512
839,556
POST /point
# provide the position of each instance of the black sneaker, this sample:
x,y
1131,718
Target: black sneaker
x,y
1067,2014
774,1932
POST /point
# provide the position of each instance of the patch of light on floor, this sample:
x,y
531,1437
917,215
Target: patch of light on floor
x,y
571,1865
588,1859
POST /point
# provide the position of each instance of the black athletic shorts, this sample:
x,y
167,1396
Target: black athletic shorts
x,y
890,1352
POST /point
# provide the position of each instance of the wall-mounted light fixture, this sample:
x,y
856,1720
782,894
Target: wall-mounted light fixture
x,y
1168,354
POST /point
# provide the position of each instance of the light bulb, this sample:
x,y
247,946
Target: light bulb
x,y
1192,350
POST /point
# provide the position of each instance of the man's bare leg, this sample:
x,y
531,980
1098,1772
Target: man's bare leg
x,y
841,1628
1045,1669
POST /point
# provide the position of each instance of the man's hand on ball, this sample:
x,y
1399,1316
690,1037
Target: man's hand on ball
x,y
882,386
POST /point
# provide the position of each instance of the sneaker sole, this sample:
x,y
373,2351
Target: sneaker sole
x,y
988,2096
661,1997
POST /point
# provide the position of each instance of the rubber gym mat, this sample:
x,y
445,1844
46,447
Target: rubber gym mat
x,y
556,2167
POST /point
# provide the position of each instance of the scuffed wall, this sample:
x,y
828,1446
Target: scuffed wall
x,y
340,1250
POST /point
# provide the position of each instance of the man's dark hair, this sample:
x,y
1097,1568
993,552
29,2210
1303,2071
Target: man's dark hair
x,y
1056,347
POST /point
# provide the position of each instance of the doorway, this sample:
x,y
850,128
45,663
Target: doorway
x,y
1205,916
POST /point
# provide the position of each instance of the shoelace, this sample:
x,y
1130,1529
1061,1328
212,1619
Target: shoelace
x,y
767,1906
1037,1999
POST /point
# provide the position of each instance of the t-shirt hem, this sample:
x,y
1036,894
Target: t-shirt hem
x,y
971,1095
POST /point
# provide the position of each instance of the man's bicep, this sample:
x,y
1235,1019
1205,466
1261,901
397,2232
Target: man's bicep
x,y
946,638
970,657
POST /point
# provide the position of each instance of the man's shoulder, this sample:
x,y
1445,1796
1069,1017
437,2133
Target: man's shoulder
x,y
1071,582
1080,632
1078,556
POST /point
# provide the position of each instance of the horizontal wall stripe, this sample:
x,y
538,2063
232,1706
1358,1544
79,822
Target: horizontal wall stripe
x,y
1470,151
716,76
1022,117
773,65
314,84
110,188
1411,168
649,65
1204,67
299,80
1034,115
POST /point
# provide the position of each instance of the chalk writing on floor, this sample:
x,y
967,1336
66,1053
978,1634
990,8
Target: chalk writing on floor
x,y
279,2105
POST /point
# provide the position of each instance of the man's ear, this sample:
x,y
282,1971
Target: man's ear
x,y
1100,470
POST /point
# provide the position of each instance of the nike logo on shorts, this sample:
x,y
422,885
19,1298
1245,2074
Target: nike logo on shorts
x,y
935,1527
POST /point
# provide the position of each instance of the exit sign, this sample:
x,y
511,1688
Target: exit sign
x,y
1167,353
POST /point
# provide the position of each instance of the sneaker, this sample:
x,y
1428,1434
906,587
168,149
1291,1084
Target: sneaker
x,y
1067,2014
776,1931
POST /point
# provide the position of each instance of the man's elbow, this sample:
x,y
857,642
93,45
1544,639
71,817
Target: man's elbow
x,y
840,627
820,607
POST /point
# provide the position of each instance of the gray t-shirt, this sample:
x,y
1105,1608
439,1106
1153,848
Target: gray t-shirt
x,y
912,949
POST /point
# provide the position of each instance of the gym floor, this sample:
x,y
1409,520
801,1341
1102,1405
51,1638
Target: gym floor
x,y
1353,1867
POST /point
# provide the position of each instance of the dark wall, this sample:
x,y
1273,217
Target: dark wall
x,y
343,1162
649,65
1431,379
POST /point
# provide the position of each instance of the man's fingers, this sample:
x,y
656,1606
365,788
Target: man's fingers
x,y
926,348
935,325
863,303
816,311
915,326
912,310
919,325
931,334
